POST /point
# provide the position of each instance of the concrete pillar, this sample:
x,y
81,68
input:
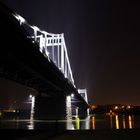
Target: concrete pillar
x,y
76,109
88,111
50,108
82,112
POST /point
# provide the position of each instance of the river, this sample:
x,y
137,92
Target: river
x,y
91,122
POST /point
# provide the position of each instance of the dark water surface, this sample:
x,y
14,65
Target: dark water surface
x,y
92,122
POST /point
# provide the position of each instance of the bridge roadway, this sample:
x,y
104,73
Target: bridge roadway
x,y
21,61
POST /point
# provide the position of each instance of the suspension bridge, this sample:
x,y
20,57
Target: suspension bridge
x,y
38,59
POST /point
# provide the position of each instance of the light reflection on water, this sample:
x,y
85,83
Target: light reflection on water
x,y
92,122
124,124
106,122
117,121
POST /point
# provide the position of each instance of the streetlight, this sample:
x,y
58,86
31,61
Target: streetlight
x,y
30,96
72,95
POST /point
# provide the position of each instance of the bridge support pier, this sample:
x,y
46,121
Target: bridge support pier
x,y
50,108
82,112
76,109
87,111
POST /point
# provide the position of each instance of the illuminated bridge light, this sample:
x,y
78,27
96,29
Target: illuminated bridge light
x,y
52,40
72,95
69,124
35,28
83,93
19,18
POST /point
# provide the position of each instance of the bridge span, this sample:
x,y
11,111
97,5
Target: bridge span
x,y
40,61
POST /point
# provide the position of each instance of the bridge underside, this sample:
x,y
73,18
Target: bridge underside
x,y
21,61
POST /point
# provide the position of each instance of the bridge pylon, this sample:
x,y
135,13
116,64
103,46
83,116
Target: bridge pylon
x,y
83,93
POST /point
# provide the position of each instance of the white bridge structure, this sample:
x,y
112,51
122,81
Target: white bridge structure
x,y
53,47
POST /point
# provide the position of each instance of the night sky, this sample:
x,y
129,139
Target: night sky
x,y
103,43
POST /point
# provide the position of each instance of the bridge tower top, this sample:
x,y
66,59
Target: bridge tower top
x,y
83,93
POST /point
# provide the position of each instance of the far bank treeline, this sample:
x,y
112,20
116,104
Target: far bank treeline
x,y
116,108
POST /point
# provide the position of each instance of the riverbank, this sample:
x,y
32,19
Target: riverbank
x,y
127,134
